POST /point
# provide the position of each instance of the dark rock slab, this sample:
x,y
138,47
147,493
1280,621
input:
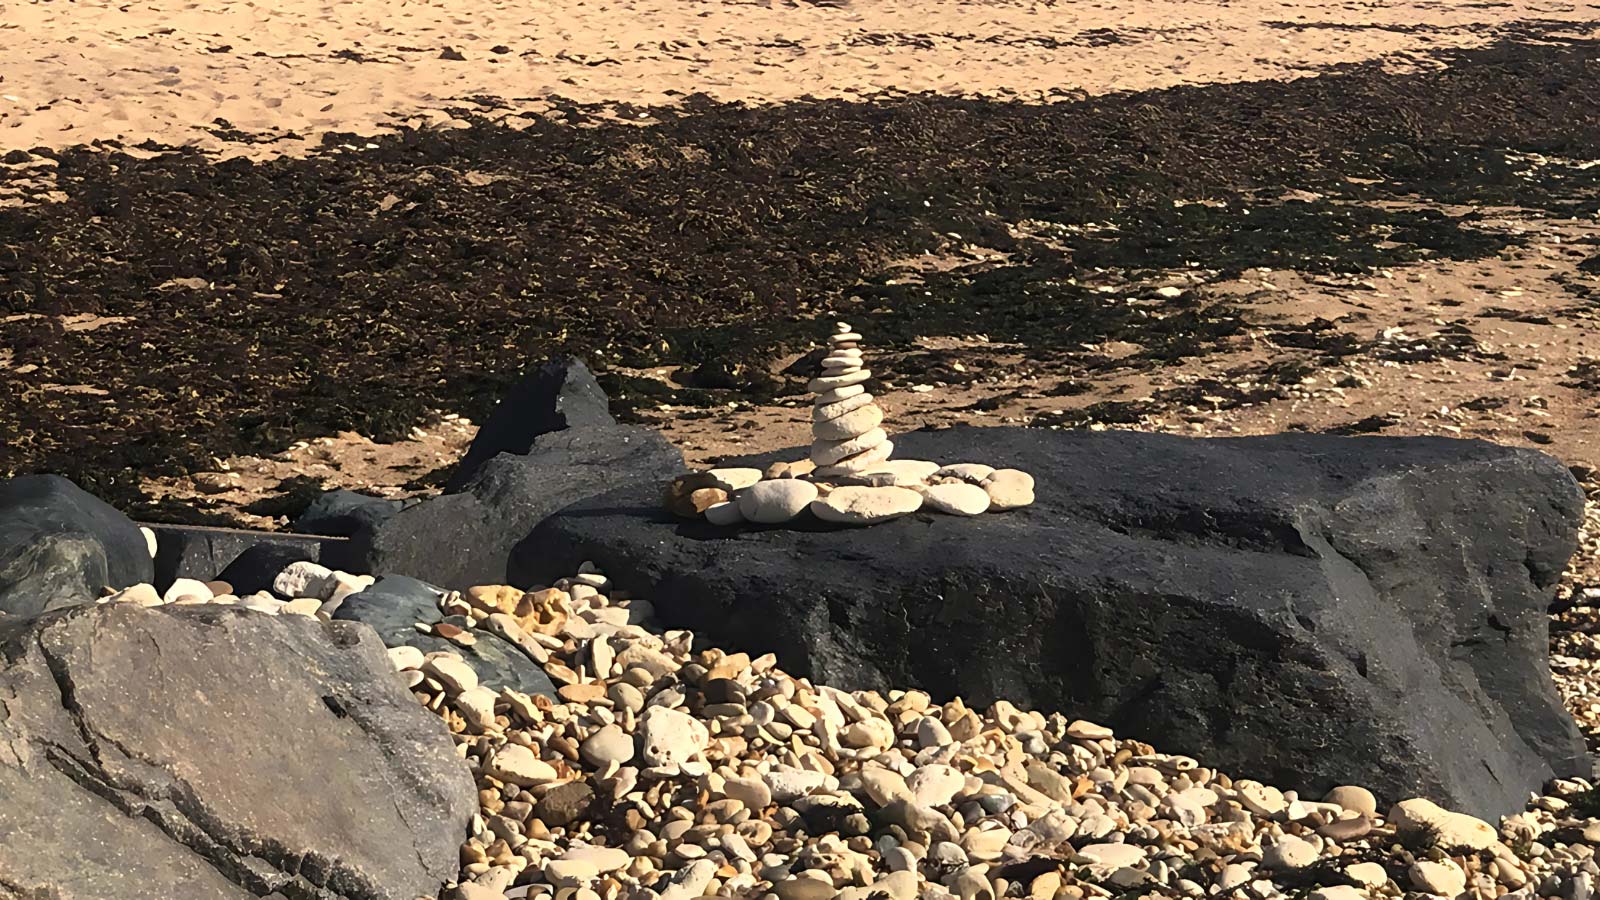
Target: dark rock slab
x,y
197,551
1302,609
395,603
347,514
343,513
461,540
214,752
559,394
60,545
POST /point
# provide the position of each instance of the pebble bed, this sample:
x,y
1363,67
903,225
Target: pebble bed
x,y
1575,633
669,769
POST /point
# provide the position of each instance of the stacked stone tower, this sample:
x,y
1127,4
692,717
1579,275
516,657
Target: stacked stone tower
x,y
845,420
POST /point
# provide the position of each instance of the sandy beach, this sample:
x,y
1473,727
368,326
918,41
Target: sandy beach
x,y
177,73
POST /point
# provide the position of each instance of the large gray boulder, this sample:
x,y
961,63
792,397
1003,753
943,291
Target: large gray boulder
x,y
60,545
460,540
558,394
1301,609
220,753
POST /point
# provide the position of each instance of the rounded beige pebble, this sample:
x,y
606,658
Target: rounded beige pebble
x,y
302,606
516,764
1084,730
303,579
142,594
1455,829
876,734
883,786
1261,799
570,873
788,784
736,479
1370,874
828,453
825,383
477,706
906,472
671,737
1289,852
897,885
604,859
957,498
866,505
1354,798
752,792
852,424
405,657
688,882
1009,489
812,884
608,745
936,784
972,884
826,411
837,394
1337,892
1114,856
774,502
796,469
149,540
450,671
986,842
965,471
1444,877
726,513
186,587
864,460
262,603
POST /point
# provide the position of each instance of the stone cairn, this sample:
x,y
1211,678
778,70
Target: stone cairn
x,y
849,478
844,417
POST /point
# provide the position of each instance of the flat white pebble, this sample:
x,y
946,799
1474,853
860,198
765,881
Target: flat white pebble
x,y
957,498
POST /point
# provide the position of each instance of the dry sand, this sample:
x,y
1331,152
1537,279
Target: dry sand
x,y
75,72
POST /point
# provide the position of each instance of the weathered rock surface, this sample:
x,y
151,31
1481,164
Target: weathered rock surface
x,y
394,605
559,394
204,553
343,513
461,540
59,545
1305,610
205,751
